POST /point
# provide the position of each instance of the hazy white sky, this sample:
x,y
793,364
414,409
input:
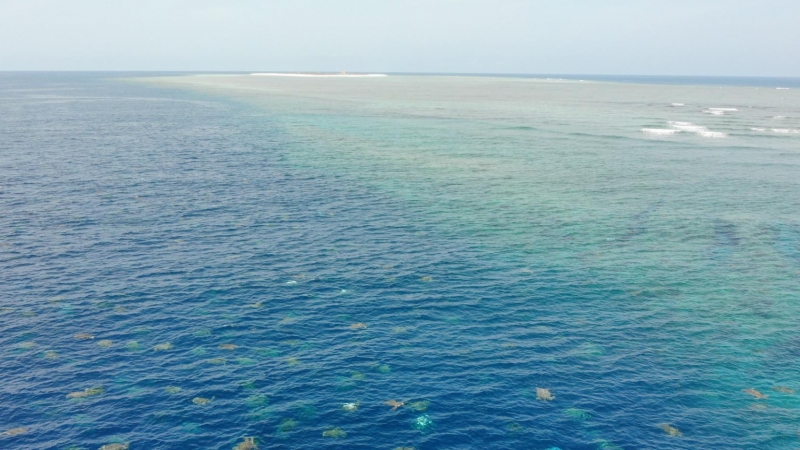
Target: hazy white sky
x,y
667,37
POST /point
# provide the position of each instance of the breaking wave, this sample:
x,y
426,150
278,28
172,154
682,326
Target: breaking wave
x,y
697,129
660,131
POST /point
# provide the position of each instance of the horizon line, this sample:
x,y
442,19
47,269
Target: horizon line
x,y
520,74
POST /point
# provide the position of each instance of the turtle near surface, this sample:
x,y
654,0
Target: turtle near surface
x,y
544,394
202,401
394,404
249,443
755,393
88,392
334,433
350,407
14,431
116,446
670,430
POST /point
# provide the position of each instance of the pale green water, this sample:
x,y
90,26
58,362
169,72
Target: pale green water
x,y
560,173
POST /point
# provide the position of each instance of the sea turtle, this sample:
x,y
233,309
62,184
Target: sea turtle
x,y
426,278
292,361
257,400
350,407
163,347
544,394
287,425
172,389
14,431
50,354
228,346
358,326
257,305
420,406
88,392
577,414
132,345
249,443
670,430
783,389
115,446
603,444
83,336
217,361
205,332
514,427
105,343
334,433
201,401
27,345
394,404
755,393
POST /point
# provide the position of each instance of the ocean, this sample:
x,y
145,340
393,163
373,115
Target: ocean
x,y
411,261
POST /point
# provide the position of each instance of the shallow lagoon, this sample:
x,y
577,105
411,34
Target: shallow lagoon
x,y
492,236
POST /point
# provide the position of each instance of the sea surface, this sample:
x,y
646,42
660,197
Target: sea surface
x,y
189,260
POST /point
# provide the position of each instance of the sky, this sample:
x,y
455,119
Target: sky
x,y
623,37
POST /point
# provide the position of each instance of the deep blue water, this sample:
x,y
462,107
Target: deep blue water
x,y
146,215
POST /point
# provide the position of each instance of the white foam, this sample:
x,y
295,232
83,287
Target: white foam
x,y
779,117
782,89
785,131
722,109
714,112
697,129
711,134
761,130
660,131
321,75
678,104
686,126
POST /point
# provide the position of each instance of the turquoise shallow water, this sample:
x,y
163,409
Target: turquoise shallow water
x,y
450,242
